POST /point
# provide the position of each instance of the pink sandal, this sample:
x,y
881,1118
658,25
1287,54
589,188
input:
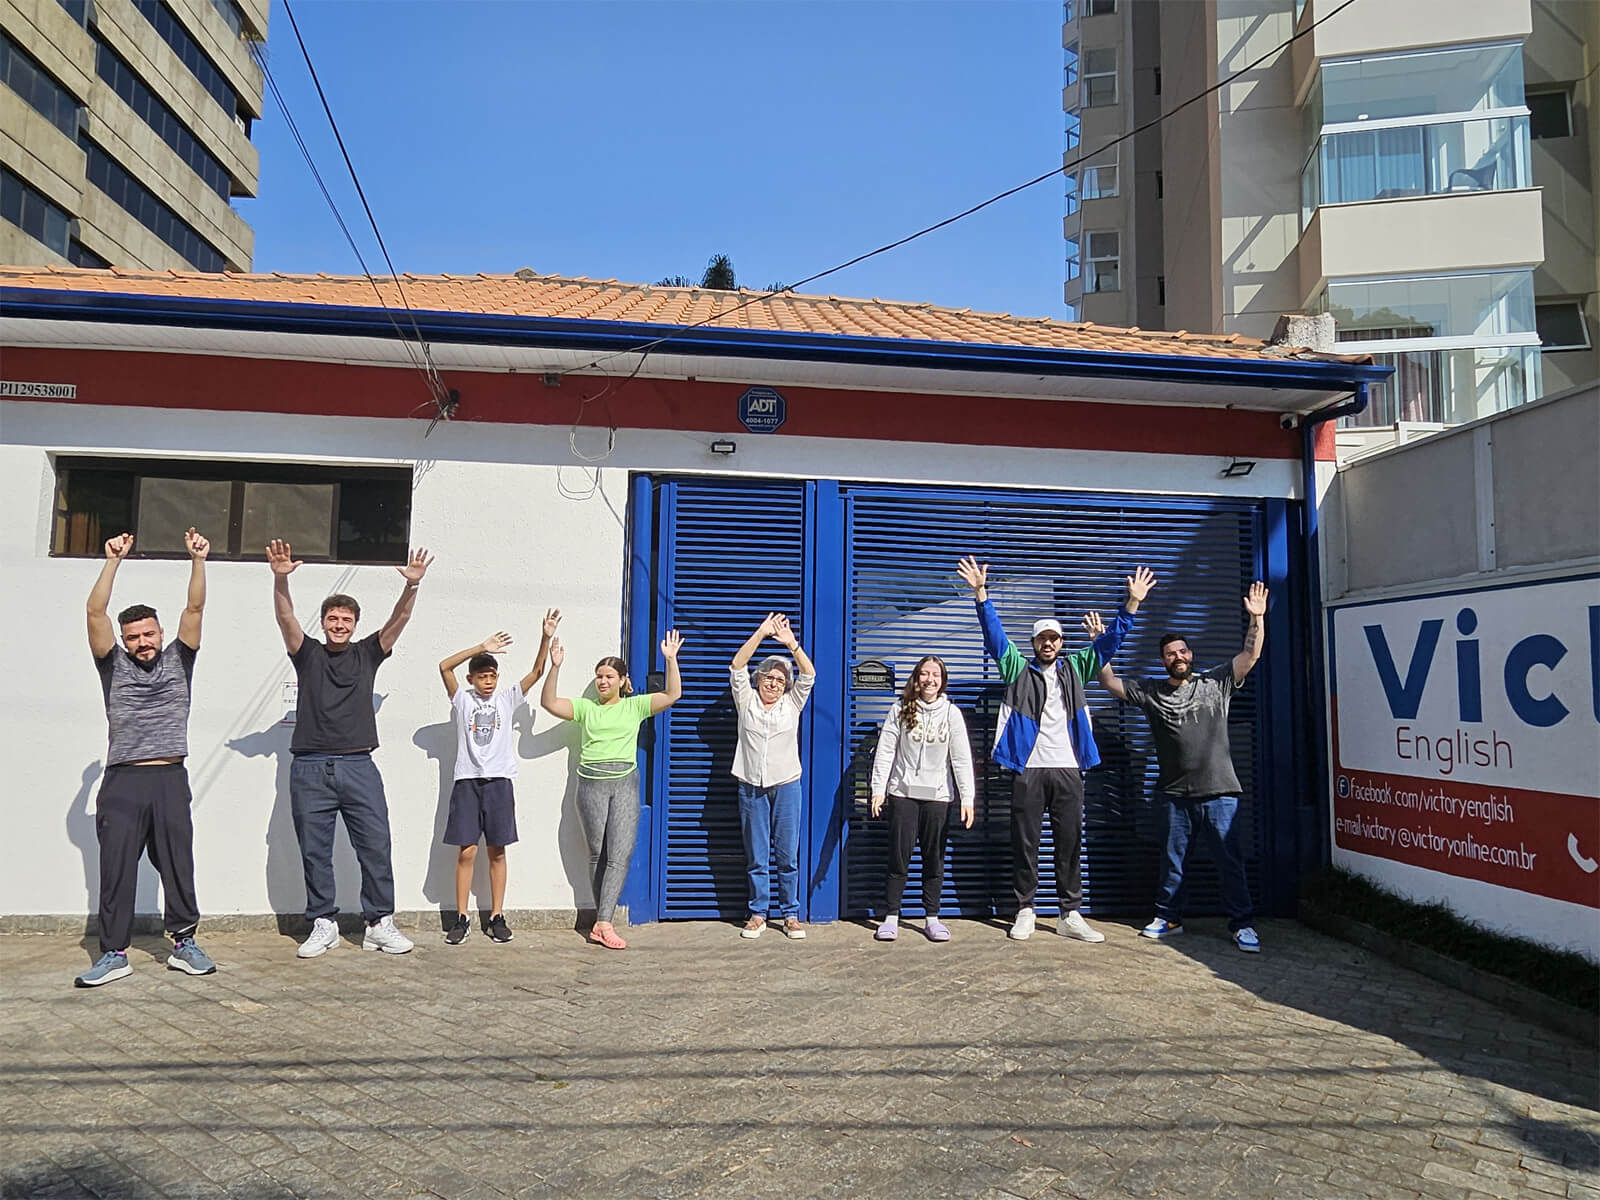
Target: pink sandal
x,y
607,937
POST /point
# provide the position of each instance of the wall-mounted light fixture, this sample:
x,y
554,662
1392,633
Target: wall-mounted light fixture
x,y
723,447
1239,468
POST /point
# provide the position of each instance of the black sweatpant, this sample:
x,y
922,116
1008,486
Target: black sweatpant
x,y
921,823
144,810
1059,791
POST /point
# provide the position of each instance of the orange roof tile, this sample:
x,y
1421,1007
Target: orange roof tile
x,y
528,294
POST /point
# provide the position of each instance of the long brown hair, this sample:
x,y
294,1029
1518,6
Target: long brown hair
x,y
908,694
621,668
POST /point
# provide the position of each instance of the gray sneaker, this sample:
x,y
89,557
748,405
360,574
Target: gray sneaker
x,y
1022,928
190,959
382,935
324,936
111,965
1072,925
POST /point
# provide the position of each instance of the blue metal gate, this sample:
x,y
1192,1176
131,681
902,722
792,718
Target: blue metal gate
x,y
867,572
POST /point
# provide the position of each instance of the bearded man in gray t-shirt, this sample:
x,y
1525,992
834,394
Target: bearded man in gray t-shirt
x,y
1196,782
143,804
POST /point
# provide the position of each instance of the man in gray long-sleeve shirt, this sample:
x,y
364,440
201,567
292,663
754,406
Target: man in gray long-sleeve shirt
x,y
143,804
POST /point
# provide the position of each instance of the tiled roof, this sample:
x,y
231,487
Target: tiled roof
x,y
527,294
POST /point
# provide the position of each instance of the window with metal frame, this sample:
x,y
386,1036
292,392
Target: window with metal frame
x,y
329,514
1561,326
31,211
125,82
1549,113
1103,261
1100,76
182,42
25,76
112,178
1100,181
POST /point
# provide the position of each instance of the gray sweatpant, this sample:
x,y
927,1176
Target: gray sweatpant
x,y
609,811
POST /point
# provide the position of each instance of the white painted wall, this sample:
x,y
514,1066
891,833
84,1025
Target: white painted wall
x,y
518,524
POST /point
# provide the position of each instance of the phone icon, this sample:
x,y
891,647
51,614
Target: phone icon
x,y
1588,864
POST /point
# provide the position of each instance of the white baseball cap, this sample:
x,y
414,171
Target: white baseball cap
x,y
1047,625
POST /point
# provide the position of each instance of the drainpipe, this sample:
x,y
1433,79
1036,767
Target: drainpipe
x,y
1319,672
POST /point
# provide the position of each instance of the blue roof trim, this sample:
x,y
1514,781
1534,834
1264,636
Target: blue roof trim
x,y
615,336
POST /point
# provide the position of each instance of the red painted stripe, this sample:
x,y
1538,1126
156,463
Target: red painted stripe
x,y
191,381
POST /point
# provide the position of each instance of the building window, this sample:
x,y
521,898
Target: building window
x,y
1099,8
78,10
141,203
1070,57
1099,182
31,211
1485,305
1561,326
1416,124
23,74
329,514
1074,130
172,31
1549,114
1451,387
1074,267
1103,267
1100,76
1069,10
1161,290
1072,192
80,255
1161,185
122,79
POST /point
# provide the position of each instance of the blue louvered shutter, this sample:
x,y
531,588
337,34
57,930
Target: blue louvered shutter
x,y
1057,555
728,553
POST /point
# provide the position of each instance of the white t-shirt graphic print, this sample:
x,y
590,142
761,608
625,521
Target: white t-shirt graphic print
x,y
485,740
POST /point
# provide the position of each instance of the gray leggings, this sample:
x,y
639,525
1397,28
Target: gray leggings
x,y
609,811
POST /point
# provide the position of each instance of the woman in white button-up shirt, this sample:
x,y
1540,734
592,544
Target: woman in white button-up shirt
x,y
767,765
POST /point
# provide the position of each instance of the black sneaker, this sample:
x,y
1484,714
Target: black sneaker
x,y
458,932
498,930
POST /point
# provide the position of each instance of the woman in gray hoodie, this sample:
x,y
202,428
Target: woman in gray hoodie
x,y
923,744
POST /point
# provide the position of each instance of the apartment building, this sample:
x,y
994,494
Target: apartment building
x,y
125,132
1421,169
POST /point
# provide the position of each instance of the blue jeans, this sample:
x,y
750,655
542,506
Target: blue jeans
x,y
770,819
321,788
1215,817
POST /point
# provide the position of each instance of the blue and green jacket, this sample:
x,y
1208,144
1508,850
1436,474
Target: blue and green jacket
x,y
1026,681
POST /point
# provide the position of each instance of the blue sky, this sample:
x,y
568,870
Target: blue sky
x,y
634,140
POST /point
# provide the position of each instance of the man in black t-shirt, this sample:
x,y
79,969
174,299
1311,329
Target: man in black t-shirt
x,y
1188,714
335,733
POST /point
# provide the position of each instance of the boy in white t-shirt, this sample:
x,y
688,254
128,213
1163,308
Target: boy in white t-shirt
x,y
481,801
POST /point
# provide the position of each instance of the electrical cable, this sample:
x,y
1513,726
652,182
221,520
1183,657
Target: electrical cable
x,y
646,348
361,192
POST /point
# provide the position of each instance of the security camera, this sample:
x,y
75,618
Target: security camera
x,y
1289,421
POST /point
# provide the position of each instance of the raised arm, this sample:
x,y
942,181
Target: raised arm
x,y
1010,661
195,605
1107,639
553,704
746,652
493,644
1109,681
416,567
552,618
102,637
281,559
1255,633
661,701
785,634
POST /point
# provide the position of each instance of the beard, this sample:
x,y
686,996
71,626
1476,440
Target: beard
x,y
1178,670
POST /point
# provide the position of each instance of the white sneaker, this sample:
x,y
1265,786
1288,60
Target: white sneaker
x,y
324,937
1072,925
384,936
1022,927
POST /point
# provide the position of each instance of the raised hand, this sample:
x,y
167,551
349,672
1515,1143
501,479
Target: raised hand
x,y
769,626
552,618
119,546
782,631
495,643
1140,583
558,653
976,575
1255,600
416,566
1093,625
671,644
198,545
280,558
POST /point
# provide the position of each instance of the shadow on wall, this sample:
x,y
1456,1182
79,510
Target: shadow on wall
x,y
82,833
286,883
438,742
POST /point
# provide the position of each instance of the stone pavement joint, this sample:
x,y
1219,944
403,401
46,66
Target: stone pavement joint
x,y
700,1064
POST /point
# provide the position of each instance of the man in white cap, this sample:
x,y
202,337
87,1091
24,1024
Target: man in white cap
x,y
1044,735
